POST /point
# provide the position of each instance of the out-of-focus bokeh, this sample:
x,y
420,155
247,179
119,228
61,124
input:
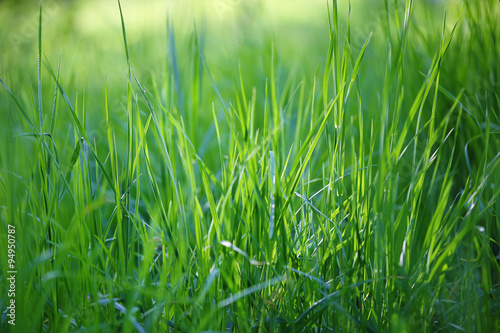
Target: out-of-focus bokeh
x,y
85,37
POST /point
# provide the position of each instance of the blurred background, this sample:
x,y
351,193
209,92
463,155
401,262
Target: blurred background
x,y
164,37
86,37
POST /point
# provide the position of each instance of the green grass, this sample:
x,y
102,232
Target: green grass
x,y
177,188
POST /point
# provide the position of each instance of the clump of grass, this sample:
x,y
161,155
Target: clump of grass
x,y
292,206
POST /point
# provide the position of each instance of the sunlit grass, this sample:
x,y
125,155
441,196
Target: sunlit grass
x,y
179,186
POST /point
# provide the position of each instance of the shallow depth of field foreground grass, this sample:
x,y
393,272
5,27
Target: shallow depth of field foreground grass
x,y
346,179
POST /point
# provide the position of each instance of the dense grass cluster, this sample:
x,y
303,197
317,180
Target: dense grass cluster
x,y
266,194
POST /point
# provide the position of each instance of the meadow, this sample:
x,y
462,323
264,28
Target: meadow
x,y
250,166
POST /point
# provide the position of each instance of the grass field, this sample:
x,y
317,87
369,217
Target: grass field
x,y
233,166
